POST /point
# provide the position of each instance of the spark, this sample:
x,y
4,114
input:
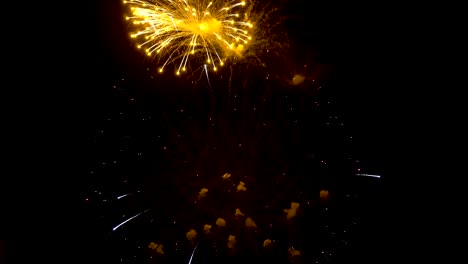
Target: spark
x,y
238,212
124,195
241,187
368,175
179,30
226,176
119,225
193,252
207,77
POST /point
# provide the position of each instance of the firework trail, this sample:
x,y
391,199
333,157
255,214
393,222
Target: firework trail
x,y
131,218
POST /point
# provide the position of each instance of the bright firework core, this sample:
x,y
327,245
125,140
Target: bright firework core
x,y
179,30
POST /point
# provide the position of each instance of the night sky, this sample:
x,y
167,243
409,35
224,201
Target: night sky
x,y
161,139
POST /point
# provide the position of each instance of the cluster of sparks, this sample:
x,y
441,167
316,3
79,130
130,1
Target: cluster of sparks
x,y
192,234
178,30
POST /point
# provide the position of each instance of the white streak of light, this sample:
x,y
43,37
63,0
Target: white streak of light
x,y
190,261
369,175
208,78
119,225
122,196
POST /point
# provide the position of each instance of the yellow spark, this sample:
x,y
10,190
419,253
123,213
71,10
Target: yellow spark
x,y
207,228
220,222
191,235
213,30
294,252
238,212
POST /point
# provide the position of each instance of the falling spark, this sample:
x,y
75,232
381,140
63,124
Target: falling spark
x,y
207,228
119,225
226,176
122,196
193,252
241,187
220,222
368,175
203,193
207,77
238,212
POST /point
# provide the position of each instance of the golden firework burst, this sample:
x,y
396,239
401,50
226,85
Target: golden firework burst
x,y
179,31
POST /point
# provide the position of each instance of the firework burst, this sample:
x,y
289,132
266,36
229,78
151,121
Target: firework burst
x,y
180,31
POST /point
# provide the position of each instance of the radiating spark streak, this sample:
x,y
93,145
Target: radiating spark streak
x,y
368,175
122,196
119,225
230,79
207,77
173,23
193,252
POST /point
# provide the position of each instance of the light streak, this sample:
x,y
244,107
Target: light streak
x,y
124,222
